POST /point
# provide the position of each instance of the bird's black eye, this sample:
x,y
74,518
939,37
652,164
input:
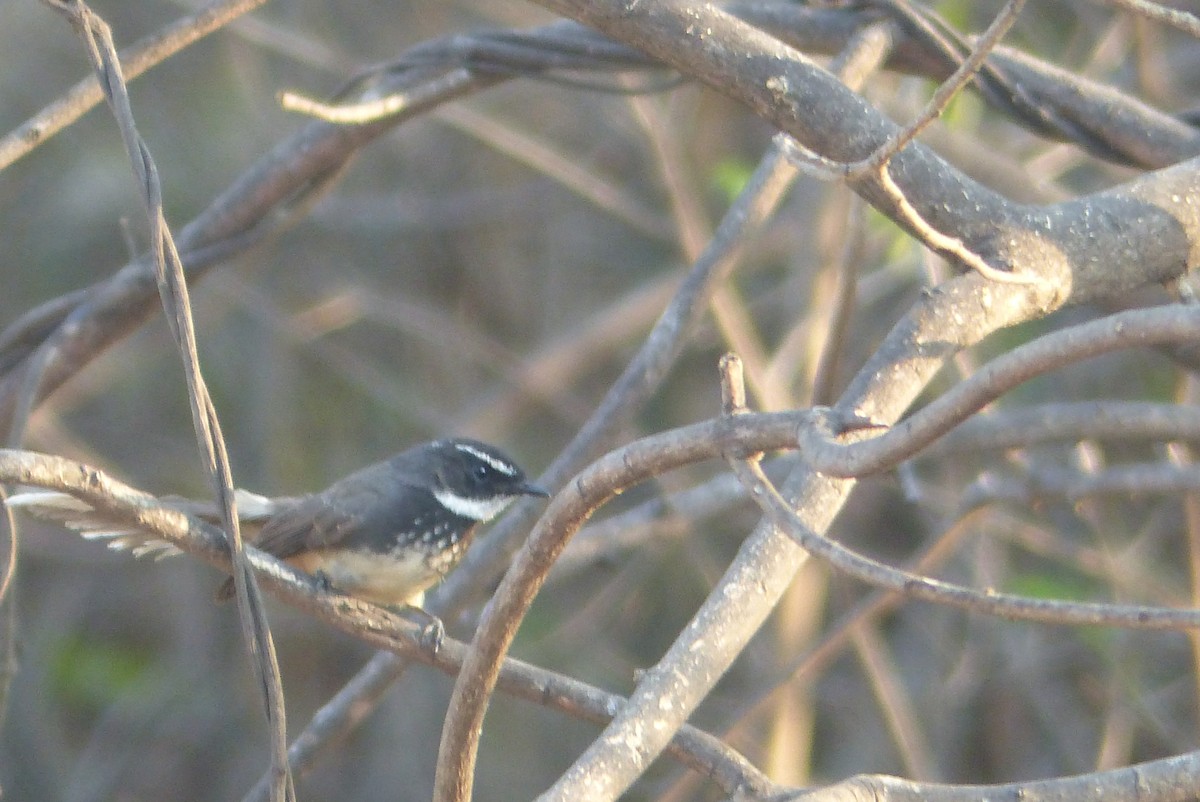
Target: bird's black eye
x,y
481,471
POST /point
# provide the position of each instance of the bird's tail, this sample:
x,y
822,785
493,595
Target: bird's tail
x,y
93,524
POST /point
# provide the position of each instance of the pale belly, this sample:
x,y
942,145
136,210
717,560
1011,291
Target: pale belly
x,y
380,578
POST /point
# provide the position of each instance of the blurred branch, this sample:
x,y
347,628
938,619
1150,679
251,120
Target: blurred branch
x,y
895,703
1183,20
9,662
1169,780
1052,482
265,197
833,319
1071,421
1132,329
137,58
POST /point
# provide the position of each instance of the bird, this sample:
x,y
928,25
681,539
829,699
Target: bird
x,y
384,534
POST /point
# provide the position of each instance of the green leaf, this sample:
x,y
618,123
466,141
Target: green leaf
x,y
729,177
95,673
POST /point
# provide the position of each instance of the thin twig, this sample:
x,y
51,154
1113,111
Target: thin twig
x,y
9,661
139,57
841,306
1185,21
945,92
1003,605
937,240
173,289
876,164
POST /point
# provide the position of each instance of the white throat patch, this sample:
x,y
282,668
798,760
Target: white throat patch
x,y
477,509
502,467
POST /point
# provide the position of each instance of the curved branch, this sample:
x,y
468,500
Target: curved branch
x,y
1004,605
266,196
1132,329
381,628
1148,224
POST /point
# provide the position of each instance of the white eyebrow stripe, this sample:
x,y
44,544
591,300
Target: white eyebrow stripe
x,y
503,467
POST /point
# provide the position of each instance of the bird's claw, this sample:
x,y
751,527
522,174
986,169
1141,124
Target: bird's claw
x,y
323,581
432,635
433,631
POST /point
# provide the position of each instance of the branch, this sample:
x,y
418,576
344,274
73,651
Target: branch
x,y
128,507
791,92
1137,328
173,291
265,198
1171,779
1004,605
137,59
1069,422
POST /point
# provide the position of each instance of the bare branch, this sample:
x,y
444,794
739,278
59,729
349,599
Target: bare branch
x,y
138,58
946,92
1187,22
1004,605
173,291
382,629
1132,329
1071,421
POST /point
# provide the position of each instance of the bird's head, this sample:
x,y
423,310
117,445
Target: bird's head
x,y
476,480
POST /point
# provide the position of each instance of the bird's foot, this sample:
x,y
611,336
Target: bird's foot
x,y
323,581
433,631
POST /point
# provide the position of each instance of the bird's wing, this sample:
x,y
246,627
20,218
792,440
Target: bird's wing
x,y
325,519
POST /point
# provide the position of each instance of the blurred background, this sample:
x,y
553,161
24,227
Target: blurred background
x,y
488,270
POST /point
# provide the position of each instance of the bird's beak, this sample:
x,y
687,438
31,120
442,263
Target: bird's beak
x,y
530,489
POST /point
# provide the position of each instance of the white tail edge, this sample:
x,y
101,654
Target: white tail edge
x,y
63,508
